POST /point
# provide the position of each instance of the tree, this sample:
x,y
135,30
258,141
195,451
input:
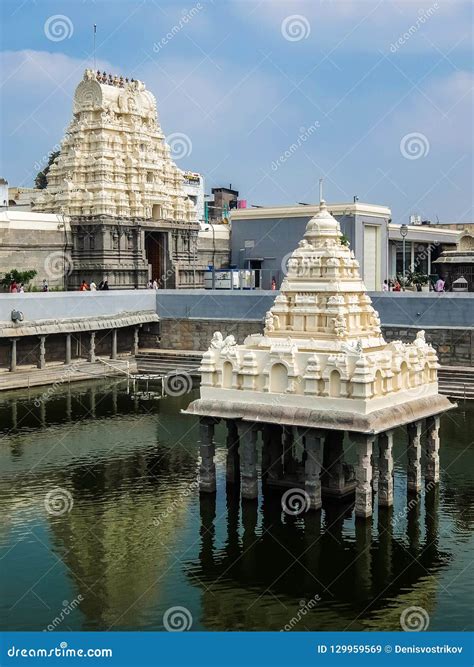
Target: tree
x,y
17,277
41,180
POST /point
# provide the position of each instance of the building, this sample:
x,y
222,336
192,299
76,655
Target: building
x,y
320,370
36,241
225,200
194,188
263,238
3,193
23,198
423,245
131,219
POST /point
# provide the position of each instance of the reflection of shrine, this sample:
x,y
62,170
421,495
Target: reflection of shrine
x,y
258,579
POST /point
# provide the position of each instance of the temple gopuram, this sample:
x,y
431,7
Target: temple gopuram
x,y
320,377
114,178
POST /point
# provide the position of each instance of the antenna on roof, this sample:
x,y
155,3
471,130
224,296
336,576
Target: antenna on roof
x,y
95,30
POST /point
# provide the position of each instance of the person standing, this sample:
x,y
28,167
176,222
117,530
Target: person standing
x,y
439,285
385,286
84,286
45,286
92,286
155,284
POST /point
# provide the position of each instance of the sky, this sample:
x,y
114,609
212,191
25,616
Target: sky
x,y
373,96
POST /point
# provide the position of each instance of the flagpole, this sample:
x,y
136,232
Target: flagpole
x,y
95,30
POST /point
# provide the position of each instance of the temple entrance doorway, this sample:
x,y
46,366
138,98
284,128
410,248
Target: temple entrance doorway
x,y
156,254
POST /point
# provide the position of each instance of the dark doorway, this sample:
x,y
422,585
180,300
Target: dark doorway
x,y
155,249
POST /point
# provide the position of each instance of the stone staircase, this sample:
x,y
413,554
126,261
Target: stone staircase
x,y
456,382
54,373
164,362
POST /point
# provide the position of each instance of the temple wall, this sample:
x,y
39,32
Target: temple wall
x,y
189,318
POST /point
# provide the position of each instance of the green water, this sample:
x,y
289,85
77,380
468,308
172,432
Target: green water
x,y
136,539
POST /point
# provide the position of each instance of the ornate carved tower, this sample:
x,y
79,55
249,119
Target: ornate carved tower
x,y
114,177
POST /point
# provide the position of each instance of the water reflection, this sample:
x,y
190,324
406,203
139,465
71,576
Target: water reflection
x,y
140,538
294,558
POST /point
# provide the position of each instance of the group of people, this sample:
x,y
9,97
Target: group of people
x,y
152,284
19,288
395,286
92,287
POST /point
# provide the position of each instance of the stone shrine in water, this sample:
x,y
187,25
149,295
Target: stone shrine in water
x,y
320,370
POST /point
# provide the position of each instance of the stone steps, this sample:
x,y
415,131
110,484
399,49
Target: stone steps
x,y
164,362
59,373
456,382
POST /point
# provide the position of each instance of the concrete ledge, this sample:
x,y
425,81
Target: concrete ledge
x,y
45,327
373,423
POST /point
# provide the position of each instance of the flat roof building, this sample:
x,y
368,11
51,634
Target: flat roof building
x,y
263,238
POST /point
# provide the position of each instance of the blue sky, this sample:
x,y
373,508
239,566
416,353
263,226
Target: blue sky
x,y
374,96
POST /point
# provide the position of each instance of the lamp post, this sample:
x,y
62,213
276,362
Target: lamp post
x,y
403,233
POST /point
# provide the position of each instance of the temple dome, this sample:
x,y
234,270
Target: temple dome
x,y
322,226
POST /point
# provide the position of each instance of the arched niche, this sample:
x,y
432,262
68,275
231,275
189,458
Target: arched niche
x,y
278,378
227,375
378,384
404,376
335,384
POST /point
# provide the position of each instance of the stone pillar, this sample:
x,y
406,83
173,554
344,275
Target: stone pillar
x,y
92,347
233,458
333,460
288,442
432,449
67,360
275,446
13,355
113,352
385,465
248,459
414,457
42,352
312,468
135,341
207,469
363,497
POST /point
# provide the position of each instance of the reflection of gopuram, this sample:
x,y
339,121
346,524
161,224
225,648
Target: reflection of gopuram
x,y
321,369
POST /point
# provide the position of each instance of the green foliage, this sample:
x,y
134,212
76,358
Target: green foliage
x,y
18,277
344,240
41,180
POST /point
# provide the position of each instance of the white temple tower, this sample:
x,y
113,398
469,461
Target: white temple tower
x,y
322,368
116,180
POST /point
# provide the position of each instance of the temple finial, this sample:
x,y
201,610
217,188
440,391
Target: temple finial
x,y
322,203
